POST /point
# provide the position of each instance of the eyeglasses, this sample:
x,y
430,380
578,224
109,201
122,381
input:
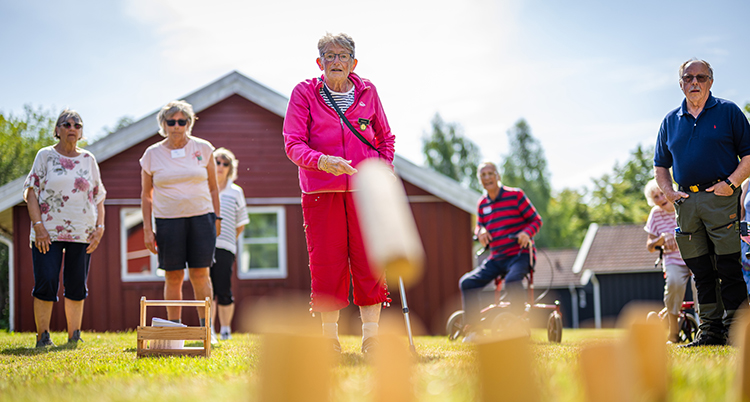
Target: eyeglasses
x,y
220,163
687,78
181,122
343,57
66,124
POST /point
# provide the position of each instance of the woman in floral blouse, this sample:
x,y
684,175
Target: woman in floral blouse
x,y
65,197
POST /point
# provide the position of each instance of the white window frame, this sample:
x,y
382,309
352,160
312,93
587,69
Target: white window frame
x,y
279,272
155,275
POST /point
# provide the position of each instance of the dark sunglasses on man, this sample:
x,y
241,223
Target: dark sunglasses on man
x,y
700,77
181,122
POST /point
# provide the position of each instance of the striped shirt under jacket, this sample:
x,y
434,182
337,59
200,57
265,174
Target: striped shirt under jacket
x,y
506,216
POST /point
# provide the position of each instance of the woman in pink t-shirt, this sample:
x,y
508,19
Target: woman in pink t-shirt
x,y
660,228
179,187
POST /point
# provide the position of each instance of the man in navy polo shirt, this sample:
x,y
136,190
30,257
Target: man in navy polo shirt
x,y
506,222
706,142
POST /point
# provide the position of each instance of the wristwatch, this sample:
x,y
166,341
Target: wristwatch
x,y
731,185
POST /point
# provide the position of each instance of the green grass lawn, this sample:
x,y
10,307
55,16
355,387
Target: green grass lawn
x,y
105,368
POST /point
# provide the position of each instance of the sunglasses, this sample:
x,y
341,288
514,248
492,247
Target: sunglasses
x,y
78,126
700,77
181,122
220,163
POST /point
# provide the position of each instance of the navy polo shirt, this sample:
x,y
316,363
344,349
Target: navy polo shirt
x,y
705,149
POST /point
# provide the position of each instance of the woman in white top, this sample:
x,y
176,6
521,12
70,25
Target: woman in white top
x,y
65,198
178,186
234,218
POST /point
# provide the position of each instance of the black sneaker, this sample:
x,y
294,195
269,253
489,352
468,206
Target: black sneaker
x,y
705,340
44,341
369,346
76,337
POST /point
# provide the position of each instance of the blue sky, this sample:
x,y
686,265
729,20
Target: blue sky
x,y
592,78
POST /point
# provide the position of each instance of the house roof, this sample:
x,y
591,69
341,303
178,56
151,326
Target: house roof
x,y
213,93
554,268
615,249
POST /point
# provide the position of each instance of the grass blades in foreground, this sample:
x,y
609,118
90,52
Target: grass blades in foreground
x,y
104,368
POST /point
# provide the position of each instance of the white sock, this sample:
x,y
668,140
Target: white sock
x,y
369,329
331,330
226,329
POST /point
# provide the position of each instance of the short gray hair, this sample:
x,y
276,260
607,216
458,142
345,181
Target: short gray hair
x,y
170,109
229,157
684,65
485,164
341,39
66,115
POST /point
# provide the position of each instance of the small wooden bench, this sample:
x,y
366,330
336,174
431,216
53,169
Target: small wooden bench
x,y
146,333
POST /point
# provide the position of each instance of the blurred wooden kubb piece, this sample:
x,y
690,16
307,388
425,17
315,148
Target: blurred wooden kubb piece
x,y
388,229
506,371
603,375
740,336
393,370
296,368
647,353
146,333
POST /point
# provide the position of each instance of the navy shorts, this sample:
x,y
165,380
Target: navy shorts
x,y
47,271
221,276
185,242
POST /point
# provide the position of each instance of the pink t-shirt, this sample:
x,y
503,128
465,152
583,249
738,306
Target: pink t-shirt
x,y
180,178
660,221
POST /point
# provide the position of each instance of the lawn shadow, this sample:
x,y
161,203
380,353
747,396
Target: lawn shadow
x,y
32,351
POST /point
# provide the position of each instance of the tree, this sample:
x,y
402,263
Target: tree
x,y
449,152
122,122
525,167
567,219
21,138
618,197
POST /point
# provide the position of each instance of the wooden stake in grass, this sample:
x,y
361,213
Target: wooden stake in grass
x,y
393,370
295,368
506,371
602,373
388,227
740,337
645,354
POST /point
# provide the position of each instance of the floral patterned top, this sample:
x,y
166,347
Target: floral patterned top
x,y
68,191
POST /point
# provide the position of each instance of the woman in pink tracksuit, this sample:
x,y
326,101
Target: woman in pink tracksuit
x,y
327,153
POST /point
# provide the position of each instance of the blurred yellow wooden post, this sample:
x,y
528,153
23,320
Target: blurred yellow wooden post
x,y
388,229
506,371
393,370
602,373
740,337
647,349
295,368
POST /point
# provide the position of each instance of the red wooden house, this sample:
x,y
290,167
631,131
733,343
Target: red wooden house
x,y
237,113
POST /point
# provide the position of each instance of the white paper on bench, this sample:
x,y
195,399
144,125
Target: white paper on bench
x,y
165,343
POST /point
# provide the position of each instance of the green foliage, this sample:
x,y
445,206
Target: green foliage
x,y
618,197
449,152
525,167
20,139
567,219
122,122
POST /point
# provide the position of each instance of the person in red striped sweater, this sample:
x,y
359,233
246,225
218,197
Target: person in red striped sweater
x,y
506,223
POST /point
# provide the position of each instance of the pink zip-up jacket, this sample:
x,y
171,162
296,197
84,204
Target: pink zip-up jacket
x,y
312,129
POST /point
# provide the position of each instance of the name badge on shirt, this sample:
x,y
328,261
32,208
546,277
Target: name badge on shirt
x,y
486,210
178,153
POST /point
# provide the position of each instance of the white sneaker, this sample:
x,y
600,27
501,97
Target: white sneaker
x,y
214,339
225,336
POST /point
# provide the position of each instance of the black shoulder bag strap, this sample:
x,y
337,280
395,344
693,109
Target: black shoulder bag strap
x,y
341,114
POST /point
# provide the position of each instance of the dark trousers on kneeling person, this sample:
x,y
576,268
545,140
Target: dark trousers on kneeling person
x,y
513,269
709,243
